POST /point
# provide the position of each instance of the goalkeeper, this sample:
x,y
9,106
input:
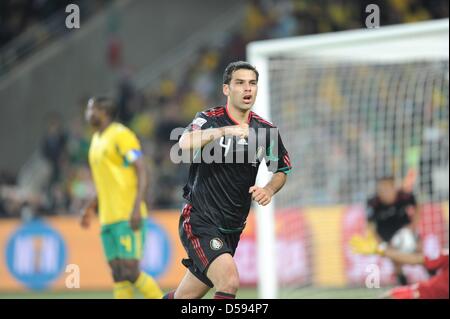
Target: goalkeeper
x,y
434,288
393,217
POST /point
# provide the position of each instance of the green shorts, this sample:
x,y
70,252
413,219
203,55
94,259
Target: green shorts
x,y
121,242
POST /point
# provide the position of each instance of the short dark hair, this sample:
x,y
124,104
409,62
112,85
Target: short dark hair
x,y
106,104
234,66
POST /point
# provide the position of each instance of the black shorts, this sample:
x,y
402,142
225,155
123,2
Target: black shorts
x,y
203,243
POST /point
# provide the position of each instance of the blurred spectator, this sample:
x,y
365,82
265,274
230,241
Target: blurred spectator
x,y
25,196
27,25
127,93
54,146
17,15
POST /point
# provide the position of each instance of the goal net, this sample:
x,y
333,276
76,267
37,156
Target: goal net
x,y
351,106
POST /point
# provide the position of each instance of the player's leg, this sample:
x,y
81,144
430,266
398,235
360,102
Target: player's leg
x,y
190,287
114,265
224,275
400,276
404,292
194,284
420,250
129,269
132,243
123,289
205,245
145,283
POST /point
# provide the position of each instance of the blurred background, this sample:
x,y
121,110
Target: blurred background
x,y
162,62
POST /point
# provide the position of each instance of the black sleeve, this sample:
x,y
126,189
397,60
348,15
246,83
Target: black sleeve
x,y
200,122
277,157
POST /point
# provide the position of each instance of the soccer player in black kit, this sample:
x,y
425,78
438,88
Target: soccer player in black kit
x,y
219,193
390,211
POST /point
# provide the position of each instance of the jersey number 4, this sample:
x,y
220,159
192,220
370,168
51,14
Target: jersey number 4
x,y
225,146
125,241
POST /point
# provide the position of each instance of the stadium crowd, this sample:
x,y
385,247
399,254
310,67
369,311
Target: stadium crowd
x,y
65,182
31,24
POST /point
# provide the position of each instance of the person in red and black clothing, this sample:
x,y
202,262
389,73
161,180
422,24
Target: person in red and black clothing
x,y
392,213
219,192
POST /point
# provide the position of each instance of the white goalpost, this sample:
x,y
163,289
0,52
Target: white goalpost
x,y
351,106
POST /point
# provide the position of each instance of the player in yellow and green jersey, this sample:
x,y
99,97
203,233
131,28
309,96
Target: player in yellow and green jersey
x,y
117,166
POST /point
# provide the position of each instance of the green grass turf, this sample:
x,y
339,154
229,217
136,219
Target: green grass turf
x,y
245,293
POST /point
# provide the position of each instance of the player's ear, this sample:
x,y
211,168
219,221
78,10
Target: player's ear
x,y
226,89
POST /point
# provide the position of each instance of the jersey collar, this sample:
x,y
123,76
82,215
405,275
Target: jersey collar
x,y
234,120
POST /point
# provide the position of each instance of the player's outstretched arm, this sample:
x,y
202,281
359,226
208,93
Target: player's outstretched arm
x,y
404,258
370,246
199,138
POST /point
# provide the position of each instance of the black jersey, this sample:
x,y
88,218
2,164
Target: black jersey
x,y
390,218
219,188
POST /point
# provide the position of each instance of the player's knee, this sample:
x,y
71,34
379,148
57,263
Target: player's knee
x,y
116,271
224,275
130,275
228,284
129,272
117,277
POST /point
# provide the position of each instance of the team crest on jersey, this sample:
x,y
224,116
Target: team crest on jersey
x,y
215,244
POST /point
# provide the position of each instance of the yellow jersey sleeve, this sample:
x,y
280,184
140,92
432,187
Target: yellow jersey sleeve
x,y
128,146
